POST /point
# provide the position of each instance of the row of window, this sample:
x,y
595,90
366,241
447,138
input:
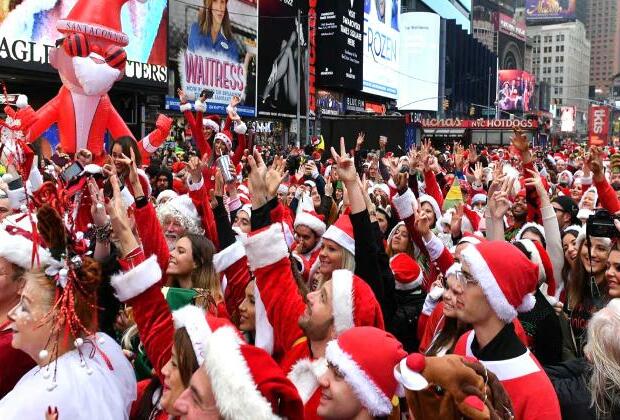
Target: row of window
x,y
549,38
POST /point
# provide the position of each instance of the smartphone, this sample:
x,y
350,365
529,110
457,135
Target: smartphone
x,y
207,93
16,184
71,172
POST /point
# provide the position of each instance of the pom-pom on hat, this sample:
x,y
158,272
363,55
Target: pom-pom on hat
x,y
406,271
508,279
341,232
312,220
368,369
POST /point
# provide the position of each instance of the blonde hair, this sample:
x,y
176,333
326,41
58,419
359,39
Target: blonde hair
x,y
603,352
348,263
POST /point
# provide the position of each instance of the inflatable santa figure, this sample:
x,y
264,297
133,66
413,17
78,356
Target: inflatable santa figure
x,y
89,59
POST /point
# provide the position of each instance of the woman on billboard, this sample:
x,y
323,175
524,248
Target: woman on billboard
x,y
213,32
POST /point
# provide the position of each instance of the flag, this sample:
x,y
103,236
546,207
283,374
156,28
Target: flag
x,y
454,195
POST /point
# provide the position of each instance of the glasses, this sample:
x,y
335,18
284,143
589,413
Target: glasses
x,y
464,279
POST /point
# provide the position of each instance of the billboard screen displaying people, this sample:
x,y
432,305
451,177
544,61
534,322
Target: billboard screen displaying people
x,y
537,10
381,47
283,28
516,89
218,53
28,33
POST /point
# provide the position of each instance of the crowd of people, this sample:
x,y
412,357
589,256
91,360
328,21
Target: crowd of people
x,y
233,282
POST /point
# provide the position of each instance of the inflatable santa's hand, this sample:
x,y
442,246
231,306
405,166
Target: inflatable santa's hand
x,y
162,129
27,117
164,124
76,45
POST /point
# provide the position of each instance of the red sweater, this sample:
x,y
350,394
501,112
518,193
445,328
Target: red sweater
x,y
15,363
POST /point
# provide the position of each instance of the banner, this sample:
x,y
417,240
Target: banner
x,y
381,47
284,37
219,54
545,10
419,84
339,43
28,34
598,125
516,89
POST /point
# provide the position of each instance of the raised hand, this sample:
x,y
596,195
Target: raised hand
x,y
97,207
519,141
182,96
422,223
456,221
472,156
458,156
478,171
498,202
273,177
256,179
596,163
344,164
360,140
194,167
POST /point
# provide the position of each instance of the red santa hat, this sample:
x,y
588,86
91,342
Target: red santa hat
x,y
406,271
508,279
528,226
341,232
471,238
99,19
353,302
540,257
368,369
213,122
246,382
178,167
16,242
225,136
312,220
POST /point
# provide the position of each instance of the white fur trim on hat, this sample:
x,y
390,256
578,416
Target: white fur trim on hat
x,y
263,330
479,198
240,127
207,122
16,248
405,204
305,375
228,256
193,319
236,394
364,388
224,137
132,283
334,233
342,300
311,221
22,101
539,229
266,247
185,107
200,106
195,186
146,143
165,194
425,198
481,272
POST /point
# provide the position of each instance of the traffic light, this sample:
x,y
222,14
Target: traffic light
x,y
446,104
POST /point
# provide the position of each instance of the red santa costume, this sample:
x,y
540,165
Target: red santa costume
x,y
316,223
279,306
90,61
508,279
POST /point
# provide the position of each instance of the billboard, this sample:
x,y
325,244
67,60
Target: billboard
x,y
329,103
544,10
510,26
28,34
568,115
340,50
516,89
598,125
381,50
225,63
283,33
419,84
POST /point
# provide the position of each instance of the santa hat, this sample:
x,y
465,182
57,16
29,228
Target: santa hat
x,y
246,382
198,326
381,187
425,198
530,225
183,209
165,195
471,238
100,19
507,278
353,302
540,257
247,208
341,232
16,242
407,272
225,136
312,220
567,174
367,369
479,198
178,167
589,190
283,189
179,186
213,122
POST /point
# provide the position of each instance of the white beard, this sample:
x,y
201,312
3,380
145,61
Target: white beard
x,y
96,78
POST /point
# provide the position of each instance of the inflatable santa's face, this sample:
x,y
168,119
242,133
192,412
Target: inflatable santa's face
x,y
90,57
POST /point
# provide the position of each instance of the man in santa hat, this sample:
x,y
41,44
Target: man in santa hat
x,y
359,383
309,227
496,282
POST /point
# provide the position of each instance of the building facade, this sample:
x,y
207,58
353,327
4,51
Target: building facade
x,y
603,30
561,58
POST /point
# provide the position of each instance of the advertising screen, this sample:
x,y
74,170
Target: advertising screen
x,y
598,125
550,10
516,89
28,33
381,50
280,87
419,84
567,119
340,29
224,64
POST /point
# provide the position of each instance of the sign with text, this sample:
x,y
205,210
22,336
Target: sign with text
x,y
545,10
478,124
598,125
353,104
28,34
339,43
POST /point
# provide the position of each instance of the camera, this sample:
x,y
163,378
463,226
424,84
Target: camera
x,y
601,225
292,163
207,93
